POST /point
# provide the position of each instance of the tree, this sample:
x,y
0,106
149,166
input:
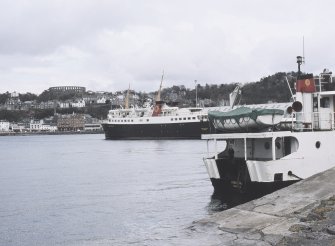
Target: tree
x,y
27,97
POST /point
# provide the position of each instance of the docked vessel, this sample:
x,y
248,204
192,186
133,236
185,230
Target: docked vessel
x,y
156,122
293,144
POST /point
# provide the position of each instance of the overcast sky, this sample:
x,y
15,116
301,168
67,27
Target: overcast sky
x,y
105,45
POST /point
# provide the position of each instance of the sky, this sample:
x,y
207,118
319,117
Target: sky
x,y
109,45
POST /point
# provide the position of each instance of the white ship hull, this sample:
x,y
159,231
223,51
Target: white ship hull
x,y
290,156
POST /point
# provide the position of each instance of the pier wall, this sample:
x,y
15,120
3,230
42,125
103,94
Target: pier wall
x,y
301,214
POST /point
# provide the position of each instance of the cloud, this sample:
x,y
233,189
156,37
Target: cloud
x,y
107,44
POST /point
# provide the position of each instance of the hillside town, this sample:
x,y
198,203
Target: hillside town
x,y
65,114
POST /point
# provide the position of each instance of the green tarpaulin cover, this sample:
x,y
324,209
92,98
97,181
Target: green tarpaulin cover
x,y
242,112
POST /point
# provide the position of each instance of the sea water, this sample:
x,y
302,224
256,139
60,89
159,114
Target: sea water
x,y
85,190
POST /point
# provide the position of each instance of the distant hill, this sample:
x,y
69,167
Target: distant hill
x,y
273,88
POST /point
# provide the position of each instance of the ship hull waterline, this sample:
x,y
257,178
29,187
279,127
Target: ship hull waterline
x,y
189,130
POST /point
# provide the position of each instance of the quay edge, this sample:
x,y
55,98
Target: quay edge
x,y
300,214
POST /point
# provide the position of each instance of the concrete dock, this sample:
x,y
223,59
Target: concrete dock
x,y
301,214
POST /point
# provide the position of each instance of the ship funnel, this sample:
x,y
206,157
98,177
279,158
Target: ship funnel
x,y
297,106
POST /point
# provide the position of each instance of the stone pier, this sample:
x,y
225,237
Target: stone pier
x,y
301,214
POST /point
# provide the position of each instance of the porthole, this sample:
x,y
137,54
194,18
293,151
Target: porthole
x,y
317,144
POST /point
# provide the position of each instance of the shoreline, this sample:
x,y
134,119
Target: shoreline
x,y
3,134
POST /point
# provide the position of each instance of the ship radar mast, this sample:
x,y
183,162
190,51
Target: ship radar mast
x,y
299,61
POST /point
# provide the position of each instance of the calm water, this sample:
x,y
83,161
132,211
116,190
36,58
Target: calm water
x,y
84,190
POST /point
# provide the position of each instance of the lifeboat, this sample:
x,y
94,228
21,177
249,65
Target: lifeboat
x,y
245,119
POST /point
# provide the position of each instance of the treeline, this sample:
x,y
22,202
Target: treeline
x,y
96,111
272,88
43,97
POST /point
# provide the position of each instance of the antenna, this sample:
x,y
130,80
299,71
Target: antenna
x,y
303,49
196,93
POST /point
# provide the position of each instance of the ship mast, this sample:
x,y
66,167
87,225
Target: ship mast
x,y
158,103
158,96
126,103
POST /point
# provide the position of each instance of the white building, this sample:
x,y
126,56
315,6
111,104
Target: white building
x,y
102,100
93,127
36,125
19,127
48,127
40,125
64,104
4,126
78,104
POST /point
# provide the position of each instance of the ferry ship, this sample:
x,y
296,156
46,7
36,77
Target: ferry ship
x,y
162,122
256,152
158,122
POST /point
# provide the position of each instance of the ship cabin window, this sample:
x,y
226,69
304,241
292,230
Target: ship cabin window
x,y
147,119
261,149
189,118
175,118
180,118
171,119
193,118
324,102
184,118
132,120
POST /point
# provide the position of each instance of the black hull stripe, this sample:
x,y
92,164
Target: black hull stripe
x,y
189,130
